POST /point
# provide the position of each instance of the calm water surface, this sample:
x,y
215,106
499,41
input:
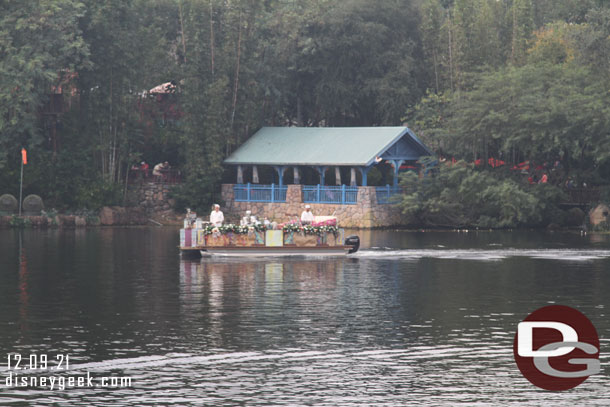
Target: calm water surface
x,y
412,319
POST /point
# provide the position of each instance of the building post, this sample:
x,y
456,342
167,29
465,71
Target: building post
x,y
255,174
280,173
296,174
396,164
321,171
240,174
364,171
352,181
337,175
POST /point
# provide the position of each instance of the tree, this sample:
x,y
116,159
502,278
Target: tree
x,y
546,111
434,41
459,196
41,43
361,63
523,25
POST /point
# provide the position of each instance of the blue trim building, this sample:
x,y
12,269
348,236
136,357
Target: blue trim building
x,y
322,148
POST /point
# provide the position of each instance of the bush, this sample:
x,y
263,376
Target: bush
x,y
459,195
98,193
19,222
574,217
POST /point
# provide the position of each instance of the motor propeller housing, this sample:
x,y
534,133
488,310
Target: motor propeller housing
x,y
354,242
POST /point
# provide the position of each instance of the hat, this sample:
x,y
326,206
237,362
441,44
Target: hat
x,y
216,206
143,162
307,207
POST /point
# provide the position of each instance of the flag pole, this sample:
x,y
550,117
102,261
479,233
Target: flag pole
x,y
21,186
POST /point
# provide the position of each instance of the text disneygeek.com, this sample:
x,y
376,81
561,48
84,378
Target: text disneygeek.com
x,y
66,382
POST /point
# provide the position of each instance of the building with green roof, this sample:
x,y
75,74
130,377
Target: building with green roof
x,y
353,150
324,147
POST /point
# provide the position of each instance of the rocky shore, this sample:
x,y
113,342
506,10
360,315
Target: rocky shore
x,y
151,205
107,216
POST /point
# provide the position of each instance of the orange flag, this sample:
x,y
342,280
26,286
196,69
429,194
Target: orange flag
x,y
24,156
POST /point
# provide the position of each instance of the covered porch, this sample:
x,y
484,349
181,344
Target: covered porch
x,y
327,164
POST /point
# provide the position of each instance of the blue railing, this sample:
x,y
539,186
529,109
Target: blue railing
x,y
330,194
259,193
385,194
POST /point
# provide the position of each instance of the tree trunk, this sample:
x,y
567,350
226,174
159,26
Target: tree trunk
x,y
450,51
126,181
486,147
236,82
182,31
435,69
212,36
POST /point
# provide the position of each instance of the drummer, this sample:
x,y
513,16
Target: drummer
x,y
307,216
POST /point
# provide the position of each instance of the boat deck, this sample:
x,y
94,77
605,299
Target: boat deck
x,y
265,251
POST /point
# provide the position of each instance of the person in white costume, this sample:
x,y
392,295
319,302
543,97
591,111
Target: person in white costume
x,y
307,216
245,221
216,217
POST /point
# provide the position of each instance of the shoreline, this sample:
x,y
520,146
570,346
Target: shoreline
x,y
107,216
61,221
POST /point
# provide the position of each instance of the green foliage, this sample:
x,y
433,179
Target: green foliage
x,y
40,44
458,196
518,78
545,111
430,117
360,62
94,195
20,222
523,26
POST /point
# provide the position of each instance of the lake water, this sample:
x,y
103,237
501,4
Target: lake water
x,y
414,318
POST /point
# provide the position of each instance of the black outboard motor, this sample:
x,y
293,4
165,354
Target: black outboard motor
x,y
353,241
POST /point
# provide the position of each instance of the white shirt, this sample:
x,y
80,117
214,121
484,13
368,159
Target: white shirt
x,y
307,216
216,218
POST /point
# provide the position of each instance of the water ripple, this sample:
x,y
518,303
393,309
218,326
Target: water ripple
x,y
484,255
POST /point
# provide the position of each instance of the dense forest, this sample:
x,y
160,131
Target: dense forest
x,y
512,80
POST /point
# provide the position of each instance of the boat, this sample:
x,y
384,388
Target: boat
x,y
322,238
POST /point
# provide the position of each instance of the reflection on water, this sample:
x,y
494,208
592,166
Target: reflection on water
x,y
413,319
485,254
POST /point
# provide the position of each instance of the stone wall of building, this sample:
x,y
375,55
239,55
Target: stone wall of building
x,y
152,197
367,213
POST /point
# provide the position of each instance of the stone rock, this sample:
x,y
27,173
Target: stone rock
x,y
38,221
66,220
32,205
8,204
106,216
117,215
80,221
599,214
